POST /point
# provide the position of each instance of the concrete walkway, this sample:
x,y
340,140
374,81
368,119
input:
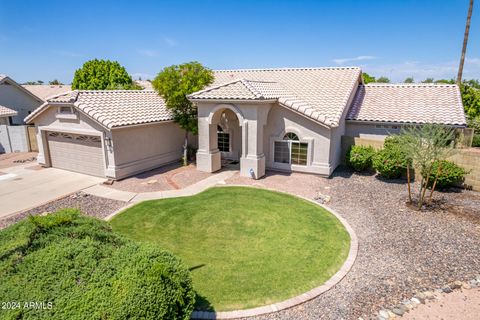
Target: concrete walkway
x,y
132,197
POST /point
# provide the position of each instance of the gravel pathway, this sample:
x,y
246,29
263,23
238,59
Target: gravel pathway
x,y
401,251
90,205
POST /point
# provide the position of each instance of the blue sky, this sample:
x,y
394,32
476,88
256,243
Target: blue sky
x,y
43,40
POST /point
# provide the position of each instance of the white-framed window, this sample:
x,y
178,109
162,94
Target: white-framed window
x,y
290,150
223,139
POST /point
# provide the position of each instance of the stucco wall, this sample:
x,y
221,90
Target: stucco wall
x,y
280,121
14,98
80,124
371,131
141,148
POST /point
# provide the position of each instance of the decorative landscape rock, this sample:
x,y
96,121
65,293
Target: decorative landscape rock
x,y
420,297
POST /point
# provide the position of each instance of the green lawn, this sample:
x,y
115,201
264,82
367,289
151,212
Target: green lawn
x,y
245,247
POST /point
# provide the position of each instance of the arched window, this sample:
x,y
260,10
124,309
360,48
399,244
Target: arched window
x,y
290,150
223,139
290,136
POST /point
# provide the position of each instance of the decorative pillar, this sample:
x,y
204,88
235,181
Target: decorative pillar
x,y
208,155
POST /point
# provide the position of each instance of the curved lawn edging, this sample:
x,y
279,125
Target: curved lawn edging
x,y
302,298
291,302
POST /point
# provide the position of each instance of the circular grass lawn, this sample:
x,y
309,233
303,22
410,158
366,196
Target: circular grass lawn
x,y
245,247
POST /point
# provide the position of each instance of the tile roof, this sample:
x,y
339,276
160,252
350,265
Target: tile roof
x,y
146,85
243,89
114,108
7,112
408,103
319,93
46,91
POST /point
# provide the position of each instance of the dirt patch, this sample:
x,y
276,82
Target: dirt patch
x,y
169,177
462,304
17,158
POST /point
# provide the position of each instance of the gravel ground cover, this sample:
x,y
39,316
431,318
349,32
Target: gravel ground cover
x,y
90,205
401,250
169,177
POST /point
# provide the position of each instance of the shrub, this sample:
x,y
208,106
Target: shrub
x,y
390,162
360,157
88,272
449,176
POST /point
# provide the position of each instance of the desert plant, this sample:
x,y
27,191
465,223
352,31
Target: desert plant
x,y
79,269
360,157
448,172
424,145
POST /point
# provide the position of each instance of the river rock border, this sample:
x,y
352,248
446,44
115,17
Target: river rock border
x,y
304,297
421,297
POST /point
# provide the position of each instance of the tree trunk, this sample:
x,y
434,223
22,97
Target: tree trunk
x,y
408,182
439,172
465,41
185,149
424,188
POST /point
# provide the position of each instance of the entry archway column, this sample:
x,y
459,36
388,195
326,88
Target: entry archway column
x,y
208,155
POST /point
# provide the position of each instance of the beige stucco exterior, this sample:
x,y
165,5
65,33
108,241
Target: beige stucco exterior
x,y
16,98
127,150
140,148
254,128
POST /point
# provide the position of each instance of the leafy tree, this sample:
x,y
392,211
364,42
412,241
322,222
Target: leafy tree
x,y
471,100
424,145
383,80
367,78
445,81
174,83
428,80
409,80
55,82
103,75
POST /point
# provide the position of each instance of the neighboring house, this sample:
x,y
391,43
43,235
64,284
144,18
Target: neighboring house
x,y
16,97
111,133
5,114
290,119
145,84
45,91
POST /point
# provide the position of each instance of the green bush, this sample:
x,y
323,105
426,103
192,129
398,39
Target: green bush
x,y
86,271
476,140
390,162
360,157
450,175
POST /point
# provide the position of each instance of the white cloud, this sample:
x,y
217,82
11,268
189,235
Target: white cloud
x,y
148,52
170,42
420,70
144,76
359,58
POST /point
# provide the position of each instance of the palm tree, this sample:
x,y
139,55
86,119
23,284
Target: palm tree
x,y
465,40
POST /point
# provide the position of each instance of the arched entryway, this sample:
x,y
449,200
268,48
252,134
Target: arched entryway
x,y
232,131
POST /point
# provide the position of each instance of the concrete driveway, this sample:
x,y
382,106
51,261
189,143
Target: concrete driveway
x,y
24,187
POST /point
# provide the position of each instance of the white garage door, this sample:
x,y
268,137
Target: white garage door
x,y
79,153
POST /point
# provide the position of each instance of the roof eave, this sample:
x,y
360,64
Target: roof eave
x,y
266,101
402,122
